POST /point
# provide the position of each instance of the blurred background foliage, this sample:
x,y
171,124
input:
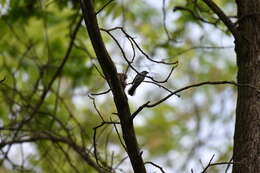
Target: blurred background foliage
x,y
180,134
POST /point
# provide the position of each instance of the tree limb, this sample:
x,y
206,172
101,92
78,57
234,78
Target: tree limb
x,y
188,87
39,137
110,73
213,6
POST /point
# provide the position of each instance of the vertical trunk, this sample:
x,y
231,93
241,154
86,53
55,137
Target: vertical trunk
x,y
120,98
247,129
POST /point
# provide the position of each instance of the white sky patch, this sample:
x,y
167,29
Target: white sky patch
x,y
20,157
79,99
139,120
199,98
194,32
4,7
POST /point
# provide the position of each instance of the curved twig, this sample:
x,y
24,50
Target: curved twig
x,y
189,87
157,166
230,25
174,64
105,5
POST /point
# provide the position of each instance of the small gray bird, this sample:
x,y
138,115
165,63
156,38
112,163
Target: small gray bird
x,y
136,82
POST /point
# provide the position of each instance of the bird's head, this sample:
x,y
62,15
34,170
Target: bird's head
x,y
144,73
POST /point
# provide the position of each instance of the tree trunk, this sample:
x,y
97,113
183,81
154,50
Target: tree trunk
x,y
120,98
247,129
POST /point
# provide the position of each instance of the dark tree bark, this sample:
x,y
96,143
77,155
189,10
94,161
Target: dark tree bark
x,y
246,153
110,73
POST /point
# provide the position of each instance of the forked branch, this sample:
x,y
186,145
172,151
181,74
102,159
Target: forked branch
x,y
110,73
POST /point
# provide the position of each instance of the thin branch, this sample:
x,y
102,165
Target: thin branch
x,y
2,80
139,110
95,142
157,166
210,164
200,84
110,73
164,20
95,106
101,93
230,25
195,16
228,166
161,86
46,90
57,73
47,136
205,169
138,47
189,87
105,5
102,8
174,64
68,158
119,137
120,162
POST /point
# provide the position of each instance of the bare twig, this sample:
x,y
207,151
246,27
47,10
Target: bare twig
x,y
213,6
161,86
174,64
138,47
101,93
68,158
46,90
205,169
105,5
110,73
189,87
164,20
120,162
139,110
210,164
200,84
47,136
228,165
57,73
95,106
196,16
119,137
157,166
95,142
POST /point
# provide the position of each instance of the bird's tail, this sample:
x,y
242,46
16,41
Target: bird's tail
x,y
131,91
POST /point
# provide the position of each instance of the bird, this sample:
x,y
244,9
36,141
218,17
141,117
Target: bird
x,y
136,82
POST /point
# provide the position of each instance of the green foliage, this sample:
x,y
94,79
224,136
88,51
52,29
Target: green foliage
x,y
35,38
